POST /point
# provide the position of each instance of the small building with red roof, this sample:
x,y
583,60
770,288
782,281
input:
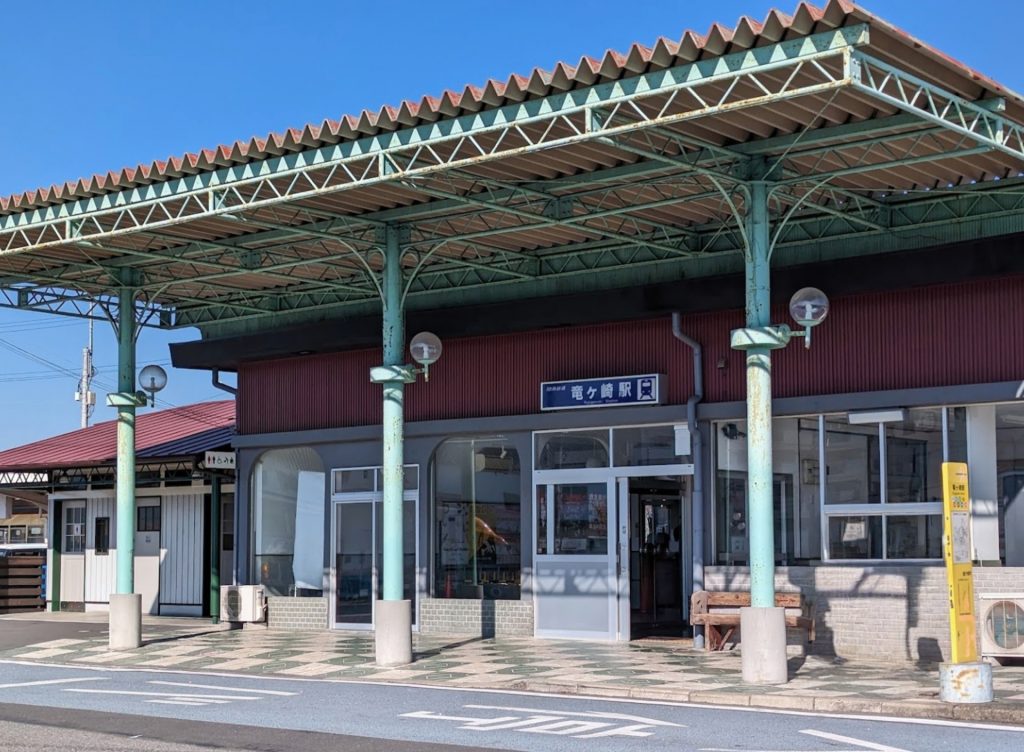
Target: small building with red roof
x,y
175,492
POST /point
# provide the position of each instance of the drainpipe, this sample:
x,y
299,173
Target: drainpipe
x,y
215,502
215,373
697,505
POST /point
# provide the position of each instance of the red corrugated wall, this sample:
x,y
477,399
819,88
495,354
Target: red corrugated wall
x,y
934,336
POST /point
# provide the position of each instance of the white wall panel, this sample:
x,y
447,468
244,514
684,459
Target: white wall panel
x,y
100,569
181,550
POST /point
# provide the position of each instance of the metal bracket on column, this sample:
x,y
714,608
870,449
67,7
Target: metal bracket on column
x,y
389,374
765,337
127,399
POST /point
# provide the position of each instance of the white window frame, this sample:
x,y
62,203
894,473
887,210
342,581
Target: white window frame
x,y
373,498
882,509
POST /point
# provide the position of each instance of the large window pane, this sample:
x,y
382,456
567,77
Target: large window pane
x,y
276,486
809,495
852,462
477,519
913,536
572,450
731,491
1010,482
913,458
646,445
581,519
855,537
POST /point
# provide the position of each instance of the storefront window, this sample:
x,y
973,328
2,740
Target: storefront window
x,y
581,519
572,450
646,445
852,461
288,506
890,460
1009,423
855,537
913,537
793,514
477,509
882,476
913,458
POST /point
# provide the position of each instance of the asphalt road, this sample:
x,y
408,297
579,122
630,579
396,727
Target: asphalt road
x,y
19,632
257,713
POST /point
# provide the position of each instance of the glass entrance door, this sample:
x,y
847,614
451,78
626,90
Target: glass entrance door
x,y
575,563
357,556
654,554
354,566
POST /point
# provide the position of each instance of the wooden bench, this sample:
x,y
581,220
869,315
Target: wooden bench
x,y
720,613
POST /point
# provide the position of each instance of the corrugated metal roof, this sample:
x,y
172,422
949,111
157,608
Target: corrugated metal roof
x,y
888,42
176,432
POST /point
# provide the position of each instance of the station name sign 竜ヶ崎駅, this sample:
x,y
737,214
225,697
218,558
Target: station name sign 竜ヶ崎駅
x,y
613,391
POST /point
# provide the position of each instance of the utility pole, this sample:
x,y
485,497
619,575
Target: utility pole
x,y
84,394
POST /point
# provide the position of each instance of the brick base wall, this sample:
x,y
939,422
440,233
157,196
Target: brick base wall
x,y
484,618
296,613
877,613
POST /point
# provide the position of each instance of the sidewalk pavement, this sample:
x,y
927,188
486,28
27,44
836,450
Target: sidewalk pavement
x,y
643,670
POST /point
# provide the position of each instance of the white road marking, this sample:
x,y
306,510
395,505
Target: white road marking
x,y
850,740
550,695
41,682
177,695
187,685
591,724
583,714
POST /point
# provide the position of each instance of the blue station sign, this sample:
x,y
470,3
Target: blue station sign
x,y
608,392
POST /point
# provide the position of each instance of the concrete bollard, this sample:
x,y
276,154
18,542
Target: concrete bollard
x,y
125,621
965,682
393,633
763,645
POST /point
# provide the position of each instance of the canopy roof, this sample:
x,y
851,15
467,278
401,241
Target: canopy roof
x,y
602,174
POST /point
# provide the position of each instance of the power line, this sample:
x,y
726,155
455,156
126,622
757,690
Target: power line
x,y
192,412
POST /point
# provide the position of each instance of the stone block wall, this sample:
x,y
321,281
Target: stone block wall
x,y
878,612
485,618
296,613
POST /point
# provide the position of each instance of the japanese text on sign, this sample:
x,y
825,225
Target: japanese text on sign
x,y
607,392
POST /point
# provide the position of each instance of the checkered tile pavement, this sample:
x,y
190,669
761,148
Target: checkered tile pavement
x,y
644,669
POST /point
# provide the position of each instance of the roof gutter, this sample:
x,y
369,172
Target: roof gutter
x,y
215,374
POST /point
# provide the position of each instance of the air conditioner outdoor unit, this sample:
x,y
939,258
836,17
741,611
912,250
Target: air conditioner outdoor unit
x,y
241,603
1001,623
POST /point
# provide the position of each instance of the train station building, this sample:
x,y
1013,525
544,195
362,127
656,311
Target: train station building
x,y
585,239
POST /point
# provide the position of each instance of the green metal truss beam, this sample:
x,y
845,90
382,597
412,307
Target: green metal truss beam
x,y
945,216
982,122
707,87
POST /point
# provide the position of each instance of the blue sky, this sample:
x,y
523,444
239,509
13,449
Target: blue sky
x,y
96,86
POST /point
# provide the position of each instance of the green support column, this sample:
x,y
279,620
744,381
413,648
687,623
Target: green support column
x,y
125,603
125,479
762,625
215,548
761,519
393,616
394,392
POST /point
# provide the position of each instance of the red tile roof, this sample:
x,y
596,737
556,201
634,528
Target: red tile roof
x,y
177,431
